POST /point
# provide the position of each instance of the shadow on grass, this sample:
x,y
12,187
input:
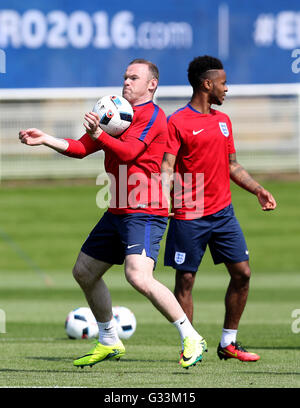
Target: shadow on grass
x,y
12,370
49,358
277,347
124,360
76,370
266,372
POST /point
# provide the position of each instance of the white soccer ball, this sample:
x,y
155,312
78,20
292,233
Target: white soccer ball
x,y
115,114
126,321
81,324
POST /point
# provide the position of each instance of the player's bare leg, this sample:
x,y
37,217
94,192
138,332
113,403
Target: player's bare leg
x,y
237,293
139,273
235,302
184,282
88,273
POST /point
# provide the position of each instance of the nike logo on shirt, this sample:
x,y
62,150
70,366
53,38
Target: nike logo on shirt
x,y
131,246
195,132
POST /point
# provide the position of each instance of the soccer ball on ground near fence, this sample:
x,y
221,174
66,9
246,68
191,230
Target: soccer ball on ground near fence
x,y
126,321
81,324
115,114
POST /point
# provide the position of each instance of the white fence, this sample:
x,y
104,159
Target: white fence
x,y
265,118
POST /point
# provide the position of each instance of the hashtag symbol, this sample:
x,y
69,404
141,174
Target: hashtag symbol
x,y
264,31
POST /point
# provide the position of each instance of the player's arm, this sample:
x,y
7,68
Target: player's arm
x,y
167,171
68,147
36,137
243,179
126,150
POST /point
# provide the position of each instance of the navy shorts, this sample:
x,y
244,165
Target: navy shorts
x,y
187,240
116,236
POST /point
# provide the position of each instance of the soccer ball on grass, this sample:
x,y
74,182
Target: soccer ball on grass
x,y
126,321
81,324
115,114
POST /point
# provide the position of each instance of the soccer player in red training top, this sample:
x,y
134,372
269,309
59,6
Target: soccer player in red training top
x,y
134,224
200,155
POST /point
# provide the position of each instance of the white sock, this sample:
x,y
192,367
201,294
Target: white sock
x,y
108,335
228,336
185,329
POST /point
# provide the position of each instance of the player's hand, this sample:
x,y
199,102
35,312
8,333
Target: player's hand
x,y
32,137
266,200
92,125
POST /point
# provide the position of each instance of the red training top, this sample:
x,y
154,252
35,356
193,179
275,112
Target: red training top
x,y
132,161
202,144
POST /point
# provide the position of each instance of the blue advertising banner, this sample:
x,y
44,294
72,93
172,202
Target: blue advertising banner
x,y
89,43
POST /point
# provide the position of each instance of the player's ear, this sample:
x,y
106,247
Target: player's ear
x,y
153,85
207,84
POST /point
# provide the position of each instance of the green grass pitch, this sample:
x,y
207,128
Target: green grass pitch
x,y
42,229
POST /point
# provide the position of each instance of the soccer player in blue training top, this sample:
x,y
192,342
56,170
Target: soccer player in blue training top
x,y
130,230
201,146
